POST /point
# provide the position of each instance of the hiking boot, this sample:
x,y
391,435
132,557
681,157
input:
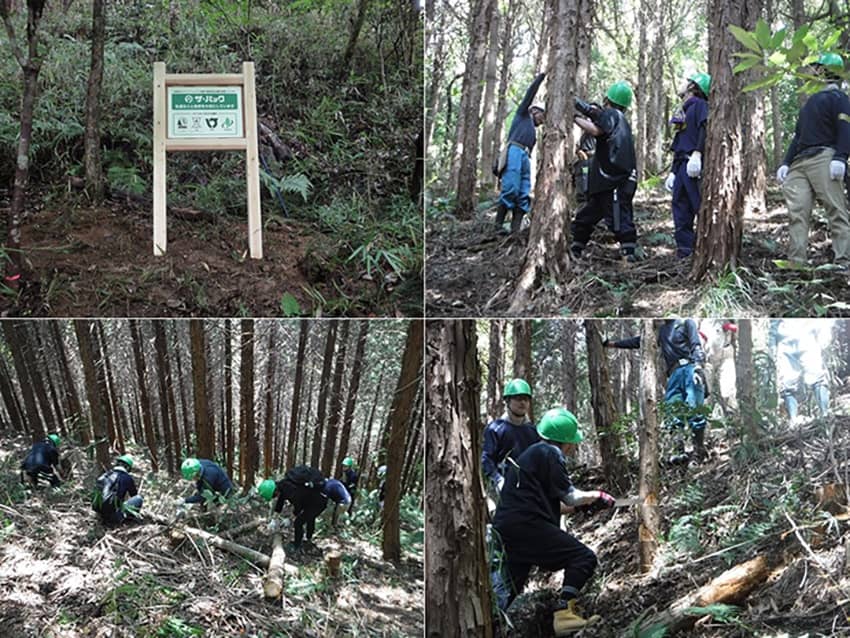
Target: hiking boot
x,y
292,548
516,221
699,445
568,620
501,213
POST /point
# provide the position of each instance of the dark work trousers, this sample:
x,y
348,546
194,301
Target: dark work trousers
x,y
686,202
550,548
601,206
307,517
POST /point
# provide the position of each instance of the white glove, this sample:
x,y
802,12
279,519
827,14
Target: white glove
x,y
274,525
837,168
500,483
695,165
782,173
668,183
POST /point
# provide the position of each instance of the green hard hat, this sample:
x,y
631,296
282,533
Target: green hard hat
x,y
702,80
831,59
515,387
190,469
54,438
126,459
620,93
266,489
560,425
348,462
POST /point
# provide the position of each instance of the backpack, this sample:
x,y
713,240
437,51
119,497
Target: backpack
x,y
304,481
105,499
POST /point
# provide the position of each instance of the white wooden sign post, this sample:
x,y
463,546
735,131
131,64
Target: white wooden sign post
x,y
205,112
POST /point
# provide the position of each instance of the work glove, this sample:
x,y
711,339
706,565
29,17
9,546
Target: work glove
x,y
782,173
695,165
275,525
837,168
668,183
499,483
604,501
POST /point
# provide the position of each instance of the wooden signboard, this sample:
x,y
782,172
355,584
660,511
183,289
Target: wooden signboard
x,y
205,112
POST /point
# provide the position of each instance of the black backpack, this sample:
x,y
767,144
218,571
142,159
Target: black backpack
x,y
303,480
105,499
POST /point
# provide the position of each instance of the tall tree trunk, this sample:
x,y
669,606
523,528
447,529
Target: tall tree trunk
x,y
166,399
144,399
112,403
614,462
324,384
435,27
457,594
414,429
495,370
399,416
506,47
296,393
306,428
247,431
357,20
27,346
10,399
744,375
189,432
568,363
229,446
94,169
31,66
488,123
83,329
335,407
649,529
775,109
469,119
522,356
364,450
655,105
546,256
204,433
32,418
270,387
353,388
45,361
720,221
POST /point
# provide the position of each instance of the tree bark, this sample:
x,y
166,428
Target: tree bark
x,y
94,169
111,400
32,418
357,21
83,329
546,256
649,481
353,388
457,597
247,430
364,451
270,387
469,120
296,393
203,432
273,583
409,380
568,363
495,369
335,407
34,375
744,375
230,446
10,400
324,384
166,400
488,123
144,399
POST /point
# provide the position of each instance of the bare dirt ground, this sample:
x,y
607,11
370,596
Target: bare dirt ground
x,y
62,575
471,272
98,261
708,509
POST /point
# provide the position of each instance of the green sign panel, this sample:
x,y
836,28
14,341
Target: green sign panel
x,y
204,111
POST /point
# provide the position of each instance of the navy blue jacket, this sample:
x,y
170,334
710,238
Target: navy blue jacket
x,y
41,457
125,486
820,124
502,438
691,135
350,478
522,128
212,478
614,160
678,339
336,491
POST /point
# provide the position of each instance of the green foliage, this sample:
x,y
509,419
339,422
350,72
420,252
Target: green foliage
x,y
772,57
718,611
174,627
297,183
289,305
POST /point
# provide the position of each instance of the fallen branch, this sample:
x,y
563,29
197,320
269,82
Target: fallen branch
x,y
732,586
242,529
273,584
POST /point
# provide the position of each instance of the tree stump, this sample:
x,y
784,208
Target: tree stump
x,y
333,561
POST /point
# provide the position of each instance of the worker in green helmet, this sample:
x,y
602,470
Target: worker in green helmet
x,y
816,163
116,497
42,462
612,176
208,475
350,477
508,436
689,123
527,522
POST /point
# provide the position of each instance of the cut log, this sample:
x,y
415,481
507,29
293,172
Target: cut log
x,y
242,529
731,587
332,563
273,585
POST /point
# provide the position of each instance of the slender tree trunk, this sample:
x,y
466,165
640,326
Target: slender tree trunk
x,y
495,370
522,355
94,169
166,399
10,399
335,407
27,345
144,399
32,417
469,120
546,255
435,54
457,596
568,363
409,380
296,393
414,430
649,529
357,20
614,462
250,449
506,47
188,430
306,427
45,361
744,375
113,403
228,397
491,79
203,432
324,384
83,329
364,450
271,386
353,388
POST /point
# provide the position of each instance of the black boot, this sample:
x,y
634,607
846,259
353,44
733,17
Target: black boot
x,y
516,220
699,445
501,213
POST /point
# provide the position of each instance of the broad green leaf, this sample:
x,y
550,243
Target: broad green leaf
x,y
797,51
765,82
745,37
778,38
811,41
746,64
800,33
784,264
289,305
777,58
830,41
763,35
746,55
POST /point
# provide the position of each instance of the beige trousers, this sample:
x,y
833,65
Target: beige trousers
x,y
809,178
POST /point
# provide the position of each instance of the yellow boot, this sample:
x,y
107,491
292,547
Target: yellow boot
x,y
568,620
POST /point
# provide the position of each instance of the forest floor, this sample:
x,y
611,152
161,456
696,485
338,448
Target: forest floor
x,y
85,261
738,505
471,271
63,575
